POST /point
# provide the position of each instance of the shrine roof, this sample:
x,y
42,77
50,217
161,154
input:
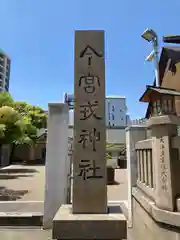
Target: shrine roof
x,y
160,90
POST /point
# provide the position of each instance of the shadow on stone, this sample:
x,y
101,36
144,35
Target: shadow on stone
x,y
11,195
33,163
114,209
9,177
18,170
113,183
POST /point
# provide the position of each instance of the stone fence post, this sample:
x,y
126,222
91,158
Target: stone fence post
x,y
166,161
133,135
56,172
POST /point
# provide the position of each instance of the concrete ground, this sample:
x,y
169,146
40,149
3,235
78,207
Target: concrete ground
x,y
26,183
25,234
119,191
21,184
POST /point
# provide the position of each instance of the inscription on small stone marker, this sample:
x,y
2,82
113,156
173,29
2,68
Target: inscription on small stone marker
x,y
89,160
163,167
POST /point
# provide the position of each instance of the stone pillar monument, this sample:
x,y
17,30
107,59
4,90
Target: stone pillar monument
x,y
89,161
87,217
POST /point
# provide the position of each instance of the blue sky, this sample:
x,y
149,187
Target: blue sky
x,y
38,35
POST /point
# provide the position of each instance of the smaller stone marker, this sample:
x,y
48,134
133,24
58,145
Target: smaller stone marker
x,y
89,161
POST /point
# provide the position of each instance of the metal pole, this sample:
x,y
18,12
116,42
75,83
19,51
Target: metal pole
x,y
156,60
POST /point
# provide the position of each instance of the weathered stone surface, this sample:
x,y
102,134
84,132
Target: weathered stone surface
x,y
56,161
89,226
165,160
89,171
164,119
133,134
159,215
145,227
25,234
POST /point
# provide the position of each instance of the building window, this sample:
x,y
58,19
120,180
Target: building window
x,y
113,117
7,73
7,83
8,62
6,88
1,69
113,108
1,62
1,56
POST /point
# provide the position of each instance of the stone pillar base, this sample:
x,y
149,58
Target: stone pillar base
x,y
89,226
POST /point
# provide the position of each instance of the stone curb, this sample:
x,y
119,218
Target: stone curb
x,y
20,219
159,215
21,213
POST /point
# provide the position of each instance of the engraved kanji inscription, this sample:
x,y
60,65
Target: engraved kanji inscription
x,y
89,51
89,83
164,170
92,137
88,170
89,110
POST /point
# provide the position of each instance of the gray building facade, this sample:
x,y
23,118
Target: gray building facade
x,y
5,68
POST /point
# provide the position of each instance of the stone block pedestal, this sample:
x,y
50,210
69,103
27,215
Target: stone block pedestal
x,y
67,225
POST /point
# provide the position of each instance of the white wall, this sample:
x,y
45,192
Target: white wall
x,y
115,135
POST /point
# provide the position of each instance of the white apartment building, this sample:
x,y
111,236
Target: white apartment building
x,y
5,64
116,111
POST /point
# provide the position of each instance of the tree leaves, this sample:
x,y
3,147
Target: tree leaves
x,y
6,99
19,121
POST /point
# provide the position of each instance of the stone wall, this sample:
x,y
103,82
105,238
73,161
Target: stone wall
x,y
27,152
146,228
154,204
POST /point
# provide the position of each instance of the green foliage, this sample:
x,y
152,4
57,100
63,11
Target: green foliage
x,y
108,145
19,121
6,99
11,125
35,114
20,106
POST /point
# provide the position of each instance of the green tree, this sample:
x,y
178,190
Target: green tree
x,y
35,114
34,118
6,99
19,121
12,125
